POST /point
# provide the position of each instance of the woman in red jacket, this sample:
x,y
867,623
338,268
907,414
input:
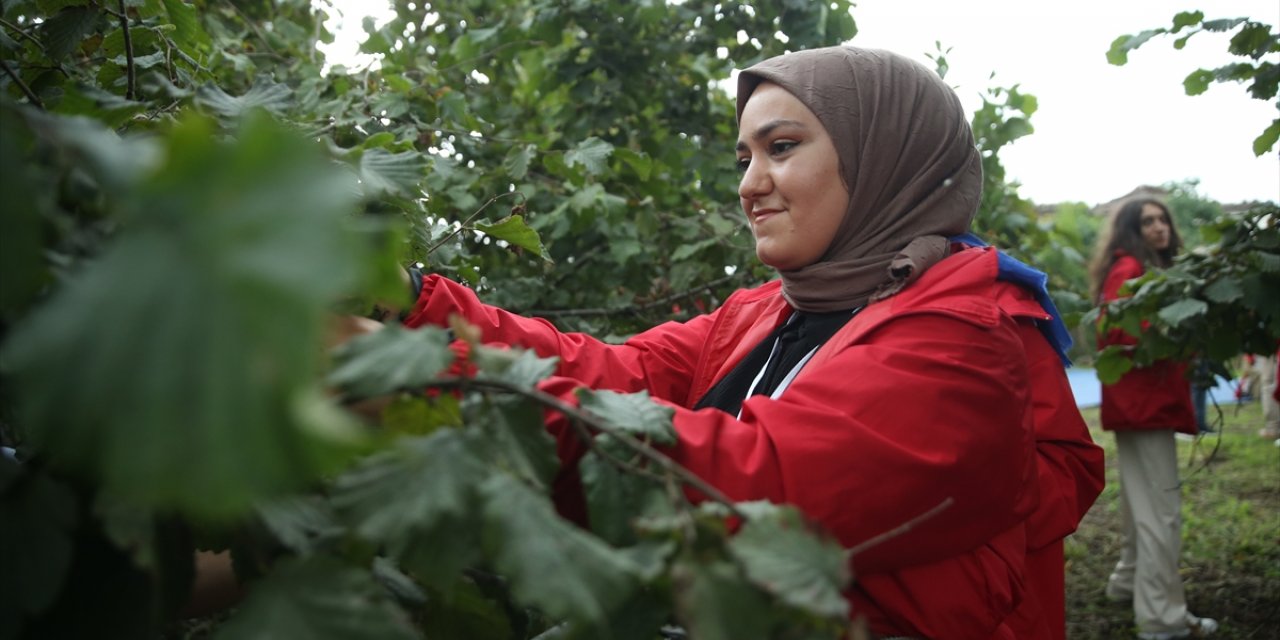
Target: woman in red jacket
x,y
886,372
1144,409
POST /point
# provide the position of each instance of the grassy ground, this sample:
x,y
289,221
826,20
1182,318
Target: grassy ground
x,y
1230,539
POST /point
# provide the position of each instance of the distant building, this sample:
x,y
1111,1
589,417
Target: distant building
x,y
1109,208
1144,191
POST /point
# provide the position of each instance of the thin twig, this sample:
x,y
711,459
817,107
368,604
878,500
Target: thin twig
x,y
131,88
489,53
22,33
467,135
634,309
253,26
901,529
473,216
575,414
22,85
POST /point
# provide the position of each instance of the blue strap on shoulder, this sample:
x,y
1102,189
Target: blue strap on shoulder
x,y
1009,269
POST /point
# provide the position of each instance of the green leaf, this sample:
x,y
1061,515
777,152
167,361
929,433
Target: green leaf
x,y
468,613
110,109
550,563
784,556
395,173
1198,82
514,230
392,359
614,498
516,164
63,33
519,367
1015,128
113,161
1186,19
634,413
190,385
420,484
397,583
1268,262
420,415
639,162
321,599
1264,143
301,523
1112,364
438,556
518,440
264,94
1182,310
1118,54
591,154
1224,290
713,602
188,34
1223,24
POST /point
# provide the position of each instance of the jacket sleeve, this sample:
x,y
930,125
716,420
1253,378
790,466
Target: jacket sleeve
x,y
661,360
1125,268
1069,466
926,409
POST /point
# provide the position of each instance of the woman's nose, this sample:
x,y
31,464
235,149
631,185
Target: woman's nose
x,y
755,181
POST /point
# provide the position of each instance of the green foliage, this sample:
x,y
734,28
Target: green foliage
x,y
1190,210
1252,40
192,195
1010,222
215,315
1215,302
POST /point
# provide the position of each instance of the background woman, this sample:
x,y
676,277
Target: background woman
x,y
1144,409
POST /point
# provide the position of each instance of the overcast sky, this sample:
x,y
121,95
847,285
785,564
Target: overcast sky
x,y
1101,130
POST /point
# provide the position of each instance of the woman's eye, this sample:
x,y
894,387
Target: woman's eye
x,y
742,164
782,146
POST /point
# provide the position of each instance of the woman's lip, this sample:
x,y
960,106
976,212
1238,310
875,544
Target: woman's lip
x,y
759,214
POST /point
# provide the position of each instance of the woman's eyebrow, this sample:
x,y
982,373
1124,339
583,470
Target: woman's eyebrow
x,y
767,128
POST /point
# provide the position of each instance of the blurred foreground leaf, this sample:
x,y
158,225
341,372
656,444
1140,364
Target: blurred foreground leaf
x,y
318,598
178,366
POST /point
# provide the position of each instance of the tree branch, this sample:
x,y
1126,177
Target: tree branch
x,y
253,26
574,414
636,309
901,529
22,33
22,85
131,88
473,216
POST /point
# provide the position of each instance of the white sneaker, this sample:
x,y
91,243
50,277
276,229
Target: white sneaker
x,y
1117,593
1196,628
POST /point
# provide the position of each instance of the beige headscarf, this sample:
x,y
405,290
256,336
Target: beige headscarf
x,y
907,156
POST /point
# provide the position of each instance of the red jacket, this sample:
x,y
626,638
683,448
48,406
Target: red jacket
x,y
1071,474
920,398
1153,397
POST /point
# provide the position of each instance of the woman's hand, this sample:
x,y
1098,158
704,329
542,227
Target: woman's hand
x,y
343,328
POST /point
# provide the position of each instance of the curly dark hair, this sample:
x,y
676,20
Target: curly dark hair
x,y
1126,236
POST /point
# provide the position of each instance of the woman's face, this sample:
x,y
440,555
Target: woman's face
x,y
791,189
1156,229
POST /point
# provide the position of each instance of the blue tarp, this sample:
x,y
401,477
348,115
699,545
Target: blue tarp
x,y
1088,391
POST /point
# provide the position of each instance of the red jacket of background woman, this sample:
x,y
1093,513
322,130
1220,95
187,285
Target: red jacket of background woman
x,y
920,398
1153,397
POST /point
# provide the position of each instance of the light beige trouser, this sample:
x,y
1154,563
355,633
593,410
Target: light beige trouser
x,y
1266,368
1150,505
